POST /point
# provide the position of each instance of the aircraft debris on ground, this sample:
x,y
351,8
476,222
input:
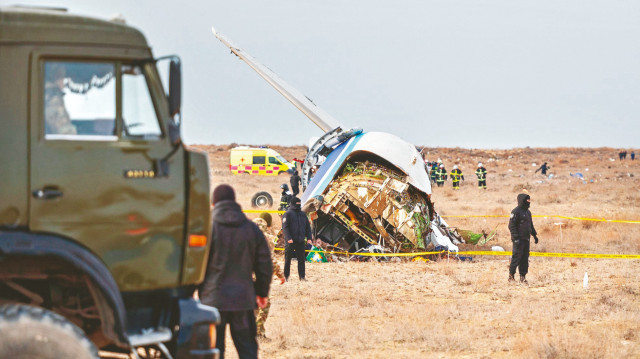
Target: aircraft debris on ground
x,y
363,190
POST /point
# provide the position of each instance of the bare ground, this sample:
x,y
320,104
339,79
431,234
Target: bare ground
x,y
459,309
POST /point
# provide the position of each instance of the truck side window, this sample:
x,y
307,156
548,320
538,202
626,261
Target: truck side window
x,y
258,160
138,114
274,161
79,100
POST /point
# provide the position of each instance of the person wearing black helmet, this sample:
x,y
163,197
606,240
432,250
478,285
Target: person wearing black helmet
x,y
521,228
285,197
296,228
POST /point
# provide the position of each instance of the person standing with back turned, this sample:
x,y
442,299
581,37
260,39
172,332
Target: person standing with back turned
x,y
481,173
295,181
521,228
238,250
296,228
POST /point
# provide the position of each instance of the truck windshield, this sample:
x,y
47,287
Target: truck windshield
x,y
138,114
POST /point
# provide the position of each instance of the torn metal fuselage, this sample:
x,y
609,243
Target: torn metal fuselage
x,y
378,206
372,189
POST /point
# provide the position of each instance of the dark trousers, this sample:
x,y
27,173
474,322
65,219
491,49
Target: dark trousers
x,y
520,257
456,184
482,183
242,325
296,190
440,184
290,249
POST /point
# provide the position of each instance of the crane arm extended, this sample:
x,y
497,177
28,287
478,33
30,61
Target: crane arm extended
x,y
322,119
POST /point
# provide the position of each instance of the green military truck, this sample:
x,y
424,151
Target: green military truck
x,y
104,214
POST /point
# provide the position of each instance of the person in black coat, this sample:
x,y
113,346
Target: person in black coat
x,y
238,250
296,228
521,228
295,181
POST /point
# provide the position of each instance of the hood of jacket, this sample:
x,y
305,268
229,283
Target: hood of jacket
x,y
522,201
228,213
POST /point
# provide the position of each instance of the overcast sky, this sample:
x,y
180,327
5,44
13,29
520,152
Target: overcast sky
x,y
467,73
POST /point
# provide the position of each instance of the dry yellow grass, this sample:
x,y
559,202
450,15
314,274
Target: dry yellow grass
x,y
460,309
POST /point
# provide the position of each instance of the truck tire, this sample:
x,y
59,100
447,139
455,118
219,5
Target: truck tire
x,y
262,200
32,332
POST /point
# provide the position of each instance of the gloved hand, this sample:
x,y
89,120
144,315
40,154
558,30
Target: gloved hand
x,y
536,238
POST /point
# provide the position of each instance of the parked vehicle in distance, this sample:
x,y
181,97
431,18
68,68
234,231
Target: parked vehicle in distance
x,y
258,161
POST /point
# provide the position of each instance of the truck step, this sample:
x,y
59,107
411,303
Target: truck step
x,y
150,336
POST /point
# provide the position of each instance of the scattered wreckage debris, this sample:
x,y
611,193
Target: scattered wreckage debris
x,y
370,204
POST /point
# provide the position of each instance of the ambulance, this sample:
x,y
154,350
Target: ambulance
x,y
258,161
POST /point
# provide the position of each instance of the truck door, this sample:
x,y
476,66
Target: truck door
x,y
95,132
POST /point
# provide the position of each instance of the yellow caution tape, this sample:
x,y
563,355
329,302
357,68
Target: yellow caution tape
x,y
481,253
565,255
369,254
261,211
547,216
491,216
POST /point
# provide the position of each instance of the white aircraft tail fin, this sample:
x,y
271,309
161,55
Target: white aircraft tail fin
x,y
322,119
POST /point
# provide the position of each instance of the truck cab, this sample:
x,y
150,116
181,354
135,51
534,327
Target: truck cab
x,y
104,213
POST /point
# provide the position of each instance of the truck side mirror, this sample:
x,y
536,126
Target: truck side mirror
x,y
175,87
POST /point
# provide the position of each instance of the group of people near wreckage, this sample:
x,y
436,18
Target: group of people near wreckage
x,y
241,263
438,174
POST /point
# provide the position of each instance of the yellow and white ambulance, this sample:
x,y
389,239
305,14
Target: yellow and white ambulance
x,y
258,161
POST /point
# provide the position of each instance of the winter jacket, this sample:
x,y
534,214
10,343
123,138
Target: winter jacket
x,y
520,223
295,181
295,225
238,250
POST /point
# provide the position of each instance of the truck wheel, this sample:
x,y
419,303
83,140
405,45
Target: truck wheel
x,y
261,200
32,332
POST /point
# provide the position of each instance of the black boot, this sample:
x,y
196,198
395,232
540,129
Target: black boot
x,y
523,280
511,278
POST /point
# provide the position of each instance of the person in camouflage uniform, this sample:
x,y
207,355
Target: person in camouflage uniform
x,y
56,117
264,223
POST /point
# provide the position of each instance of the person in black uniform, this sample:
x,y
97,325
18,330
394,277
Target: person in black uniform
x,y
296,228
521,228
238,251
544,168
295,181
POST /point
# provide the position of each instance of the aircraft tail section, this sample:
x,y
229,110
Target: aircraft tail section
x,y
322,119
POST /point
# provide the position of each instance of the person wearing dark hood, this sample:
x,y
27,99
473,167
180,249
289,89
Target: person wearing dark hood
x,y
238,251
296,228
521,228
544,168
295,181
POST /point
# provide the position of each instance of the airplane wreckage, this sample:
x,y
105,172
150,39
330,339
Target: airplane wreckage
x,y
366,191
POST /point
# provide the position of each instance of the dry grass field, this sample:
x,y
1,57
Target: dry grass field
x,y
445,309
